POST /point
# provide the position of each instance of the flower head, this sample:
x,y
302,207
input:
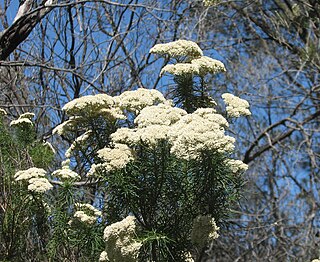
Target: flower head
x,y
236,106
115,158
89,105
32,172
135,101
120,241
39,185
207,65
181,69
159,115
236,166
66,173
197,132
180,48
86,213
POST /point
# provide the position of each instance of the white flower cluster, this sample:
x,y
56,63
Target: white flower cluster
x,y
204,230
86,213
196,64
162,114
189,134
23,120
36,179
120,242
316,260
197,132
27,115
180,48
91,104
103,256
153,124
78,142
180,69
135,101
107,107
150,135
65,173
3,112
236,165
207,65
236,106
32,172
39,185
188,257
115,158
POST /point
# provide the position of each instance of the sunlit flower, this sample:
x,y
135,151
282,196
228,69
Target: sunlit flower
x,y
32,172
208,65
21,122
39,185
181,69
197,132
135,101
90,103
27,115
179,48
159,115
236,106
103,257
115,158
66,173
236,165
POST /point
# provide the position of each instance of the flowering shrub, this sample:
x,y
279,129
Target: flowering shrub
x,y
161,170
167,162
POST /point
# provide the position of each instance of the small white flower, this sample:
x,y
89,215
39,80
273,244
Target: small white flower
x,y
103,257
179,48
27,115
86,213
180,69
135,101
32,172
159,115
91,104
120,242
115,158
236,106
207,65
66,173
39,185
236,165
197,132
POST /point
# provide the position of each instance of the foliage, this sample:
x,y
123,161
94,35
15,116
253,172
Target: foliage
x,y
152,168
